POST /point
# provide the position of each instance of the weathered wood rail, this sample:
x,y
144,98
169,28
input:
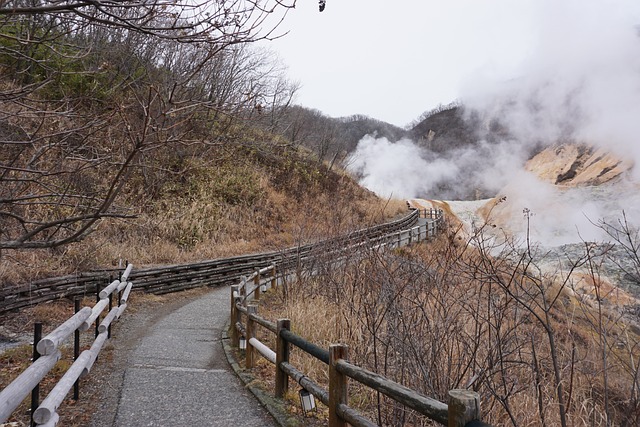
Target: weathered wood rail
x,y
462,409
174,278
47,353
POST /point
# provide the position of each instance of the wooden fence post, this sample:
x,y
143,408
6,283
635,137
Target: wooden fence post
x,y
464,407
235,339
256,283
282,355
251,352
35,392
338,392
274,280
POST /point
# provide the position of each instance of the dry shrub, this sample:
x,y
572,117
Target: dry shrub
x,y
204,202
448,315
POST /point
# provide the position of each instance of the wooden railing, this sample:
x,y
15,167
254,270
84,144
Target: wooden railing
x,y
174,278
405,230
463,408
47,353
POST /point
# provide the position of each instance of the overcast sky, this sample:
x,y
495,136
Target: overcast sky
x,y
395,60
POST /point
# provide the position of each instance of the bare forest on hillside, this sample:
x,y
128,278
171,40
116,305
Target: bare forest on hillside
x,y
90,91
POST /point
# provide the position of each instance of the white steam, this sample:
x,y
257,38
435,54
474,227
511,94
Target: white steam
x,y
560,216
581,84
398,169
404,169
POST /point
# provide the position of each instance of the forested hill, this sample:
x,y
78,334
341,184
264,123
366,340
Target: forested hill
x,y
446,128
127,136
331,138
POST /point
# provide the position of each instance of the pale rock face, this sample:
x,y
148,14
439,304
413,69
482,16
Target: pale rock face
x,y
577,165
557,200
565,188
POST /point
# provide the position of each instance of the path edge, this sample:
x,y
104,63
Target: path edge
x,y
272,404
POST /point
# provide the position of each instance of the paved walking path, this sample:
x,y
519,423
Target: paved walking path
x,y
178,374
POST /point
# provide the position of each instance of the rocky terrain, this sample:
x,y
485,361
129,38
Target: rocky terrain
x,y
570,199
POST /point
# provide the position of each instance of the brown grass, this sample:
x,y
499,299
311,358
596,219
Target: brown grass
x,y
436,317
231,200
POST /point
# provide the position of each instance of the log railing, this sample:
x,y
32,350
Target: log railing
x,y
403,231
463,408
47,353
174,278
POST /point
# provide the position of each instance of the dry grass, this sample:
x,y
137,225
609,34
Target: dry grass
x,y
176,226
229,201
442,316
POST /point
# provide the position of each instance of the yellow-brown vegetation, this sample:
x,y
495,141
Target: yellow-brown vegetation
x,y
444,315
236,199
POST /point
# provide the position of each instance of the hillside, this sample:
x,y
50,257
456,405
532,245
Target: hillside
x,y
186,206
154,143
331,138
445,129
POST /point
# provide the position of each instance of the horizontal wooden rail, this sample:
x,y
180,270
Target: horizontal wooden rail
x,y
306,346
306,382
353,417
174,278
47,353
264,323
460,413
95,349
49,344
12,395
432,408
109,289
49,406
264,350
464,405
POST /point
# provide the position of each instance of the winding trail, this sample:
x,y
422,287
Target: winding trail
x,y
177,373
169,365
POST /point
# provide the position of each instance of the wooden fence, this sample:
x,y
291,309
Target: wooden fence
x,y
174,278
463,408
47,353
406,230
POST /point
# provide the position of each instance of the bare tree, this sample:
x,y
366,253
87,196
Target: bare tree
x,y
494,315
91,87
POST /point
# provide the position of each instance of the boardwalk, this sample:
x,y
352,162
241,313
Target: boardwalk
x,y
177,374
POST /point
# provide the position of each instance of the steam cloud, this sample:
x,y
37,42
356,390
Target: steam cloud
x,y
581,83
405,169
399,170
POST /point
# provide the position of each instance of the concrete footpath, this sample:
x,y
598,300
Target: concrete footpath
x,y
178,375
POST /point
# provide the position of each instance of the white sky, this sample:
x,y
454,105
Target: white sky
x,y
395,60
